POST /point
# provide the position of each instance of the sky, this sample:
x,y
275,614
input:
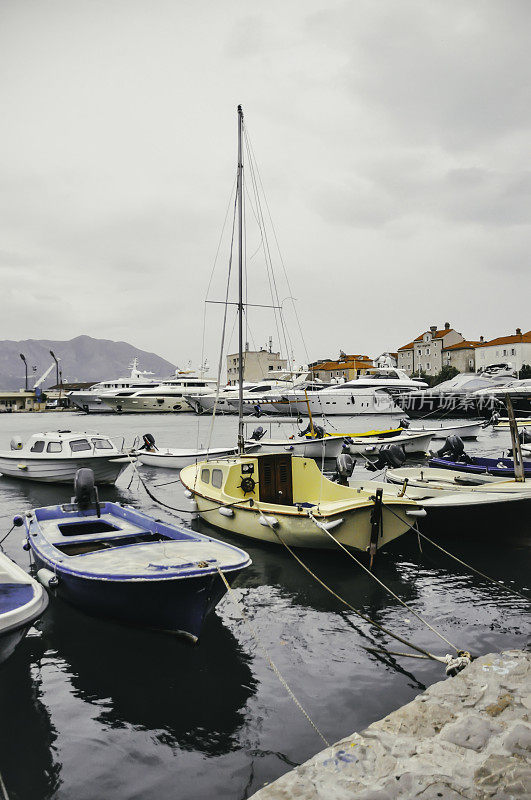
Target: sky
x,y
392,139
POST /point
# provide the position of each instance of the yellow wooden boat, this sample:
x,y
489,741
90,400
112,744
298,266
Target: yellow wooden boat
x,y
388,432
260,496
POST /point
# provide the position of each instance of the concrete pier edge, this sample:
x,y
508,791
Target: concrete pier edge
x,y
464,737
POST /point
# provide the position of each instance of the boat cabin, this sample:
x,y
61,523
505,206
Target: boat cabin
x,y
63,444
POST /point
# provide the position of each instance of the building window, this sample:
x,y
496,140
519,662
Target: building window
x,y
513,351
428,365
427,351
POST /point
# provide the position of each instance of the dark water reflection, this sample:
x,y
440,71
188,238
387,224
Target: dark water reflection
x,y
92,709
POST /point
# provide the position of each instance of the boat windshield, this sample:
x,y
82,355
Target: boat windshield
x,y
79,444
102,444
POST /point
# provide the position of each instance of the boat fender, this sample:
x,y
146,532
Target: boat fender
x,y
226,512
16,443
268,521
26,546
335,523
289,448
48,578
18,521
188,493
416,512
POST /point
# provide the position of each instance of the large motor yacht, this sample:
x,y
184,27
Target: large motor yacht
x,y
458,397
373,393
167,396
90,400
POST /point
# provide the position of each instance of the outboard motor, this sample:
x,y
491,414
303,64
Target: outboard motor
x,y
344,469
391,455
453,449
85,492
16,443
525,436
494,419
404,423
317,430
149,442
258,434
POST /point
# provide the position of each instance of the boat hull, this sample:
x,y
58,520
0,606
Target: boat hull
x,y
497,467
147,405
469,430
411,443
330,447
353,527
169,460
47,470
174,606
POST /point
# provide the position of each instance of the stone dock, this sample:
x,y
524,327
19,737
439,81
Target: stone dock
x,y
465,737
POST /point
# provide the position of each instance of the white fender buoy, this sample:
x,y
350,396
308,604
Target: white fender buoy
x,y
193,505
48,578
329,526
416,512
226,512
188,493
267,521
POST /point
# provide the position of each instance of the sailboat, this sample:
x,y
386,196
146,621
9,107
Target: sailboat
x,y
282,497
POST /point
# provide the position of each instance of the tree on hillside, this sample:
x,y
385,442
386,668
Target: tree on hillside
x,y
525,372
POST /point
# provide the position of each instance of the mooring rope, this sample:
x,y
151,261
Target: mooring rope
x,y
345,602
473,569
382,584
268,658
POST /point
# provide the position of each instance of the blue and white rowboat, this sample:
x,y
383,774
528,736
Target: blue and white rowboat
x,y
22,601
127,566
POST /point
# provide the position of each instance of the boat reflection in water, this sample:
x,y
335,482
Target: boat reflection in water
x,y
28,764
190,697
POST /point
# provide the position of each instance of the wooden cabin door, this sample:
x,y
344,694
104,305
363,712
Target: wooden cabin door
x,y
274,476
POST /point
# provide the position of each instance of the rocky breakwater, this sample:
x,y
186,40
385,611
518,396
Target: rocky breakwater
x,y
465,737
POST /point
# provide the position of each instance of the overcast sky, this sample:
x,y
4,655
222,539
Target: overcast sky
x,y
393,140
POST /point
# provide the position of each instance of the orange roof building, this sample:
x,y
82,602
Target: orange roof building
x,y
514,349
347,367
425,352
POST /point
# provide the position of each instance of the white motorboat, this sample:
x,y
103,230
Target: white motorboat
x,y
444,480
22,601
465,430
56,456
308,446
254,395
345,400
168,396
411,442
90,400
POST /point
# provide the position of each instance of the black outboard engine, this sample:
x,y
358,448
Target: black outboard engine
x,y
317,430
258,434
344,468
149,442
391,455
404,423
85,492
453,449
494,419
525,436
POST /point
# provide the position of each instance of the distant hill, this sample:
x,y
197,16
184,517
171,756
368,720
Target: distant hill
x,y
80,359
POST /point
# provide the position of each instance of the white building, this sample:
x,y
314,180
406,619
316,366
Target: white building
x,y
515,349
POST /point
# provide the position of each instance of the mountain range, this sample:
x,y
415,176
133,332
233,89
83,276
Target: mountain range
x,y
80,359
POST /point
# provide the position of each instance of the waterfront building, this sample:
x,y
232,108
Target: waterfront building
x,y
515,349
258,365
11,402
462,355
346,367
425,353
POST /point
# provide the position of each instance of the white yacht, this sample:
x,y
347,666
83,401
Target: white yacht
x,y
90,400
166,396
228,397
372,393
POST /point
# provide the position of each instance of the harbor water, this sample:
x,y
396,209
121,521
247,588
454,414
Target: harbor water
x,y
91,709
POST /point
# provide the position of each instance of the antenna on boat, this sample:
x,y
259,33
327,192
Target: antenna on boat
x,y
241,441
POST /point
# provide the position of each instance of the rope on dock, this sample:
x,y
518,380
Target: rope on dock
x,y
382,584
268,658
396,636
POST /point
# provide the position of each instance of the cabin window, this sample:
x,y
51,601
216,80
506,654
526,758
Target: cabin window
x,y
54,447
102,444
205,475
79,444
38,447
217,478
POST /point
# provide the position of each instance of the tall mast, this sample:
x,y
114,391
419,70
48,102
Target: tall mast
x,y
241,441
